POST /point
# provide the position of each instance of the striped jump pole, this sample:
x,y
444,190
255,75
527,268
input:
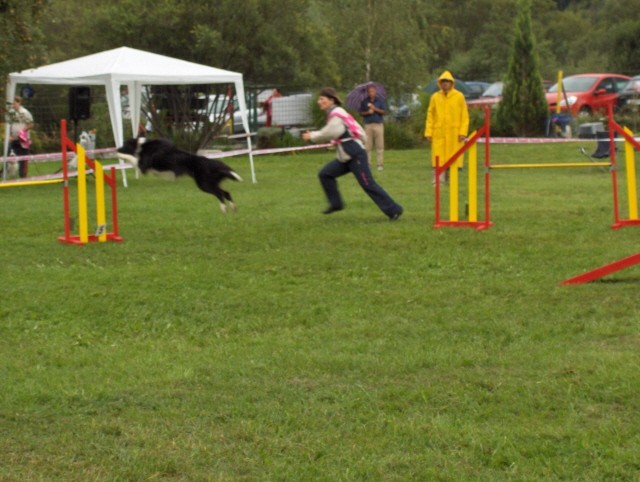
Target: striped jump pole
x,y
550,165
83,216
605,270
19,183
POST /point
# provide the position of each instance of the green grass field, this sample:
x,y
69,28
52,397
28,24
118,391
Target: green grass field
x,y
278,344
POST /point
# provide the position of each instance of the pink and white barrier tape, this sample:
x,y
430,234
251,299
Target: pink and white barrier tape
x,y
57,156
278,150
261,152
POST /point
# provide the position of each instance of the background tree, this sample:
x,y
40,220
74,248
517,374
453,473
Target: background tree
x,y
269,42
305,44
523,108
621,44
378,40
481,47
21,40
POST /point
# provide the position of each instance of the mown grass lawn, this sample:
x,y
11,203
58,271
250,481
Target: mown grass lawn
x,y
280,344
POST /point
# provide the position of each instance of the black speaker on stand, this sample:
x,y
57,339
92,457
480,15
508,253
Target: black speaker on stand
x,y
79,106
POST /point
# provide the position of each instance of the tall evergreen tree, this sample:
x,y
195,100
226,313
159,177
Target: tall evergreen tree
x,y
523,108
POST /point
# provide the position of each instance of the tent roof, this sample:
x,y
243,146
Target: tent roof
x,y
131,67
125,64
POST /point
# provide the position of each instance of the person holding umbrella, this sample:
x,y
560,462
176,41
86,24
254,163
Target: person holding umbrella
x,y
347,135
447,123
372,109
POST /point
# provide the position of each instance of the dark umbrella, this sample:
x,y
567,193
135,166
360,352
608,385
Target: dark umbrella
x,y
357,95
459,85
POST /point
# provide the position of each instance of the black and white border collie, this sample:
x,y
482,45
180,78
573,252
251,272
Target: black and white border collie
x,y
161,156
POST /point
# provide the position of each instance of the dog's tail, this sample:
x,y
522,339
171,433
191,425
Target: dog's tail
x,y
233,175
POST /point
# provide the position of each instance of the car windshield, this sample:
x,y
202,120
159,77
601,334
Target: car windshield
x,y
633,86
576,84
494,90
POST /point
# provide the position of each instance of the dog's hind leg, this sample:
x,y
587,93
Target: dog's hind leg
x,y
227,196
219,193
224,197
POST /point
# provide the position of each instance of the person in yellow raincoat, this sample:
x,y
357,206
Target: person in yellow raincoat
x,y
447,122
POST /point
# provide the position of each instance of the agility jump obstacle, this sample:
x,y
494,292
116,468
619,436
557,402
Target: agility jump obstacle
x,y
482,135
87,166
471,147
630,144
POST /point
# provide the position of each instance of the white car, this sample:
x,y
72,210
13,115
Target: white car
x,y
256,117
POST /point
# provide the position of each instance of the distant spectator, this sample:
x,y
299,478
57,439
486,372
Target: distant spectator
x,y
21,122
268,105
372,110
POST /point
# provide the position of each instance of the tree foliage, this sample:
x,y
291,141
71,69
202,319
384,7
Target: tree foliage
x,y
270,42
403,43
523,107
306,44
21,41
379,40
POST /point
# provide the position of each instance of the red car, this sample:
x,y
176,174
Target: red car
x,y
587,93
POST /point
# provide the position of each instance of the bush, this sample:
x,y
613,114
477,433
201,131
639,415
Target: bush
x,y
476,119
399,135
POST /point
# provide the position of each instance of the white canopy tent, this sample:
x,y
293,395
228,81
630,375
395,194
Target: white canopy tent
x,y
134,69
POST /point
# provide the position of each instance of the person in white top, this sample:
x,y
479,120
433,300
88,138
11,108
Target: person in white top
x,y
21,122
348,136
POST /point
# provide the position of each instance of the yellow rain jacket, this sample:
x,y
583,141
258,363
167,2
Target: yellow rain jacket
x,y
447,119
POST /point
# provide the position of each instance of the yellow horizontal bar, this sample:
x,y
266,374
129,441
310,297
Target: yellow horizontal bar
x,y
558,164
29,183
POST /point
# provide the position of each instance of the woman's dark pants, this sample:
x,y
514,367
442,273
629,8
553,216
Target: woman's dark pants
x,y
359,166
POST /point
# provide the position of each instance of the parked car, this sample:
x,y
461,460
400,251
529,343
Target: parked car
x,y
476,89
256,117
585,94
402,106
629,97
493,95
489,97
